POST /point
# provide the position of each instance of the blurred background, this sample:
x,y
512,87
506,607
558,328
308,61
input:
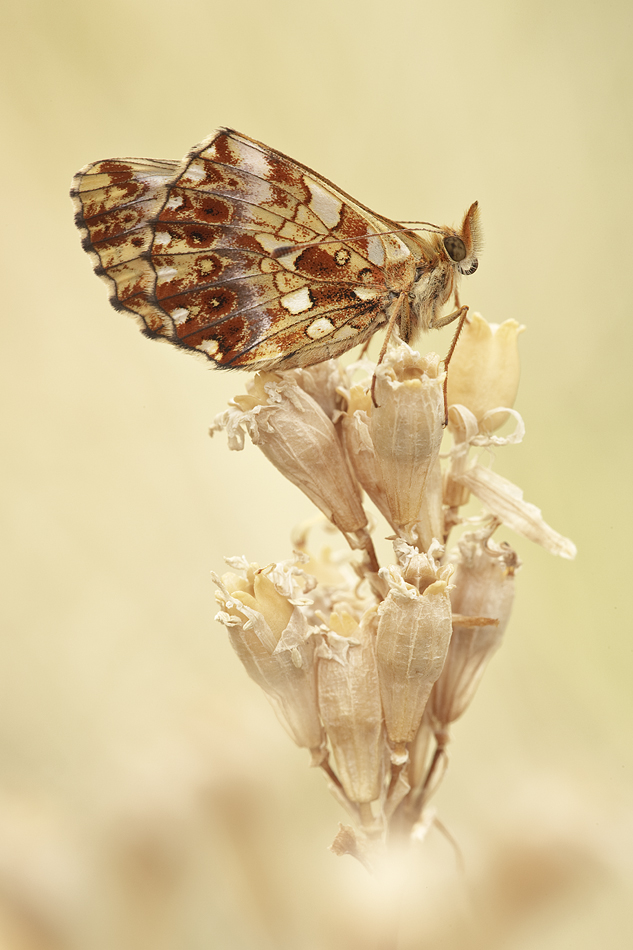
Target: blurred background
x,y
148,796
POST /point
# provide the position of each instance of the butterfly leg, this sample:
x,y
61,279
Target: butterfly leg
x,y
393,316
439,322
364,348
462,313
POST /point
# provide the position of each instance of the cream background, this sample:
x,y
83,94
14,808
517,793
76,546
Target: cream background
x,y
148,798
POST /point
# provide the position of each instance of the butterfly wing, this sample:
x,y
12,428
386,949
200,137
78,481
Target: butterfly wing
x,y
116,203
240,253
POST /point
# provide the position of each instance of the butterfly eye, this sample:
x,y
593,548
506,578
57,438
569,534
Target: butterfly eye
x,y
455,247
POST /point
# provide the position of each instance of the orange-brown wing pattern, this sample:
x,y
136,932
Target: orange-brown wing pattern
x,y
239,253
117,202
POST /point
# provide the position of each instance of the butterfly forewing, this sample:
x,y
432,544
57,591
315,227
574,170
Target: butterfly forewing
x,y
320,205
234,204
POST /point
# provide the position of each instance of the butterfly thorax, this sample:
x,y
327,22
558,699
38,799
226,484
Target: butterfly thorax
x,y
427,280
441,259
434,286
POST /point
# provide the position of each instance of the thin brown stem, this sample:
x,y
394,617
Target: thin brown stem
x,y
459,855
331,774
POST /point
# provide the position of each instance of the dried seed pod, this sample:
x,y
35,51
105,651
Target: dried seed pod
x,y
349,704
406,429
296,435
483,588
413,636
273,640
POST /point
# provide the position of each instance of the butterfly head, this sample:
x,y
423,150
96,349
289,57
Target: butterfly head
x,y
463,246
447,254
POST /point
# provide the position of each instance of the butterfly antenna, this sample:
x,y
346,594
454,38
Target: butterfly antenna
x,y
291,248
426,226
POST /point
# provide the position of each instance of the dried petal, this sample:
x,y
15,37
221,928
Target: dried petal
x,y
360,450
505,500
422,748
430,521
322,381
275,608
484,371
421,568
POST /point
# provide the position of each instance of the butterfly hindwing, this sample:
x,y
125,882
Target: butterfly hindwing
x,y
116,205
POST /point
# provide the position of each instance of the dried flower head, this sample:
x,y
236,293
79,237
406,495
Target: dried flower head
x,y
367,665
270,634
394,443
413,636
349,703
296,435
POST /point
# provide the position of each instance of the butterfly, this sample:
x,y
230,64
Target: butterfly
x,y
257,262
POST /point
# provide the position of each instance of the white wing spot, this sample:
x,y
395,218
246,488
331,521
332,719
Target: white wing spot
x,y
179,316
154,181
166,273
259,192
195,172
289,261
210,347
397,249
268,242
319,328
174,202
366,293
298,301
162,237
325,205
345,332
375,250
252,158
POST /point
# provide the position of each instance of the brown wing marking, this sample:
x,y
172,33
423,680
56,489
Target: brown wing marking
x,y
116,201
235,330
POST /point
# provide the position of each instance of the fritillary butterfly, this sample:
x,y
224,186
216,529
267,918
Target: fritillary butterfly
x,y
254,260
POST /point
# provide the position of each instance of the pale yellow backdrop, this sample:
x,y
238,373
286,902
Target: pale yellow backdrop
x,y
148,797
